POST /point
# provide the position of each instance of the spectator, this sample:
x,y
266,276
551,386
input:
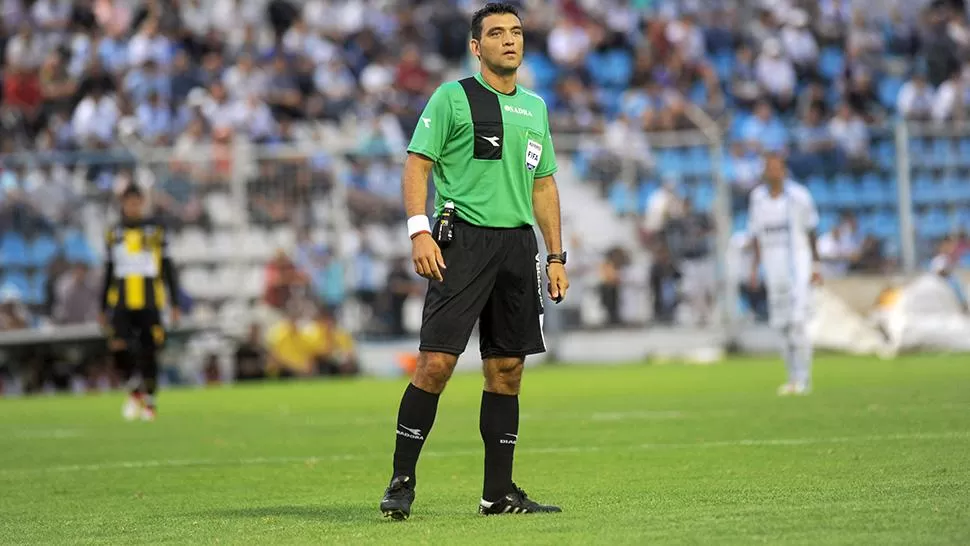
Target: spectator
x,y
154,120
250,357
283,280
26,51
687,38
763,131
289,353
800,45
56,85
813,97
862,97
743,172
332,347
915,100
282,92
852,136
149,44
95,119
688,239
664,204
142,82
367,281
815,148
611,273
13,314
840,248
569,43
745,86
78,296
50,191
244,79
776,75
664,281
401,286
411,76
951,100
741,255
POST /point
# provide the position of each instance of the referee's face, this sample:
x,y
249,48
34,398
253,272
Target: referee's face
x,y
500,48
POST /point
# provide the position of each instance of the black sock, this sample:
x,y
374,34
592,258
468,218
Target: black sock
x,y
499,425
414,420
149,375
125,364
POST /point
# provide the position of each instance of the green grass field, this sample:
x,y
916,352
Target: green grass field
x,y
880,454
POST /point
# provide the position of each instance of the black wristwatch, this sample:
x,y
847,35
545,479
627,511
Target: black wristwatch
x,y
556,258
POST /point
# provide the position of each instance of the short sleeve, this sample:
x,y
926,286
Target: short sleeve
x,y
754,226
547,161
109,243
810,213
434,126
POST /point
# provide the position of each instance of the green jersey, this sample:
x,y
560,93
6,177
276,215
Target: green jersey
x,y
488,148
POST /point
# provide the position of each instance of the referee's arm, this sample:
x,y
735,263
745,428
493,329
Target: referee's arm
x,y
545,204
425,253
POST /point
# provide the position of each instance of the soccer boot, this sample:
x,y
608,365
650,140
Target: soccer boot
x,y
516,502
787,389
132,408
149,413
801,389
398,497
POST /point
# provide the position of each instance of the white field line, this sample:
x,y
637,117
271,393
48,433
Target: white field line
x,y
562,450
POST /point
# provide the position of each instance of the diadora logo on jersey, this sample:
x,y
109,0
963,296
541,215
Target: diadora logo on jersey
x,y
427,122
516,110
493,140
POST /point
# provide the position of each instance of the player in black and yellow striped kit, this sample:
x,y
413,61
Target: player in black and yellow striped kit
x,y
139,281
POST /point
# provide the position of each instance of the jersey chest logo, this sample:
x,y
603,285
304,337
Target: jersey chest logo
x,y
533,152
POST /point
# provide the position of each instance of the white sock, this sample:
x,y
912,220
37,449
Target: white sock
x,y
801,354
788,353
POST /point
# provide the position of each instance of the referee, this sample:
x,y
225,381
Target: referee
x,y
487,141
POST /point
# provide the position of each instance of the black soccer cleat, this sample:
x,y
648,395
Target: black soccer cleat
x,y
516,502
397,500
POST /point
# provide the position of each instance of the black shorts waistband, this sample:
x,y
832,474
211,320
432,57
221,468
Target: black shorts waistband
x,y
462,221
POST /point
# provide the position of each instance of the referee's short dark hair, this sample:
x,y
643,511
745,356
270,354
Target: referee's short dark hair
x,y
492,8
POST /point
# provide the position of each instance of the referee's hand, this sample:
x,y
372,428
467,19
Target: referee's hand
x,y
427,257
558,281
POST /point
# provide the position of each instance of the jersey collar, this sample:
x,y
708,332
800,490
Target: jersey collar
x,y
481,80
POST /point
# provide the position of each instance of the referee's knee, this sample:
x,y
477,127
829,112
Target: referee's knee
x,y
433,371
504,375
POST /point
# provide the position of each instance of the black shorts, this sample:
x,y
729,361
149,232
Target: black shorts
x,y
492,276
141,329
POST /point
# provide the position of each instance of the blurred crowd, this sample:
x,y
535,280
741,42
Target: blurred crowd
x,y
87,83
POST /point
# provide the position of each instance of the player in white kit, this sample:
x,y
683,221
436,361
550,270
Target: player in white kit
x,y
782,220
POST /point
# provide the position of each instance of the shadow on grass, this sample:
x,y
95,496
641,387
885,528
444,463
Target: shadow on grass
x,y
342,512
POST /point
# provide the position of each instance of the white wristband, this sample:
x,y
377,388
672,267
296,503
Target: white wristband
x,y
417,224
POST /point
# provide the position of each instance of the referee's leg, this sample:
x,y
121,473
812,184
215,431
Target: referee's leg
x,y
511,329
451,309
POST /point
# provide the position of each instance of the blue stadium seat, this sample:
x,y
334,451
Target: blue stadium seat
x,y
704,197
36,294
885,226
17,280
932,224
670,162
544,70
965,261
831,62
42,251
76,248
644,192
846,191
888,90
963,158
885,154
941,152
619,69
622,198
821,191
13,250
827,220
926,191
724,65
596,66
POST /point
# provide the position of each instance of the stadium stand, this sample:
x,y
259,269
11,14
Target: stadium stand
x,y
268,126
